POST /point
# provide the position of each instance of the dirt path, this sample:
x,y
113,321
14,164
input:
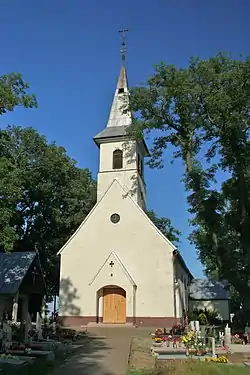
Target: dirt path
x,y
106,352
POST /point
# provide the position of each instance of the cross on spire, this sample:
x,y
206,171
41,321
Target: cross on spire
x,y
123,47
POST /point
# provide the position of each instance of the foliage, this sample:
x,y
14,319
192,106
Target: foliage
x,y
166,227
205,316
202,112
44,197
13,92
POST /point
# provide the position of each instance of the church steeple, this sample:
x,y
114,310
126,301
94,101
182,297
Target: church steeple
x,y
121,157
118,114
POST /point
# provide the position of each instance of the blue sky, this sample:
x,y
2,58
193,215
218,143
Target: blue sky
x,y
69,52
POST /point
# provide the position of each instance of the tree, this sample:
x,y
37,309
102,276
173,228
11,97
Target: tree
x,y
165,226
203,111
13,93
44,196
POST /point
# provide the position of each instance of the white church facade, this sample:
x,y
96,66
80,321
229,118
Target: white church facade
x,y
117,267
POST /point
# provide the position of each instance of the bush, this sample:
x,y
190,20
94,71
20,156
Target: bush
x,y
205,316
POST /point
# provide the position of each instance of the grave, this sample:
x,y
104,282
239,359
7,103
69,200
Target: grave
x,y
168,350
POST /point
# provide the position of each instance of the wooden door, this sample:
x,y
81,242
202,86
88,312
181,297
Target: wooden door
x,y
114,305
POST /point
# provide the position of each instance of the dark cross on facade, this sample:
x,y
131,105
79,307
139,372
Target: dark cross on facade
x,y
111,265
123,48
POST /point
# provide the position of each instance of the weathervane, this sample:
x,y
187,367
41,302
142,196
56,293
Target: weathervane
x,y
123,48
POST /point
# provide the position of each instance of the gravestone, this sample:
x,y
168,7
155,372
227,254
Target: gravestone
x,y
222,338
39,327
27,328
227,336
192,325
1,338
7,335
247,333
197,326
213,346
8,331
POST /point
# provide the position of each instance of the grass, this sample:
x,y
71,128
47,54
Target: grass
x,y
143,363
194,367
140,355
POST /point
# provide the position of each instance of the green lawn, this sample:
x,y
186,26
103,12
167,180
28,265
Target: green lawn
x,y
194,368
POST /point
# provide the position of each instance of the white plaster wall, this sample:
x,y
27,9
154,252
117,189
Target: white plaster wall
x,y
106,155
144,252
128,175
221,306
182,279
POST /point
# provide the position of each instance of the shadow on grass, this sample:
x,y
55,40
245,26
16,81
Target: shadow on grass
x,y
81,359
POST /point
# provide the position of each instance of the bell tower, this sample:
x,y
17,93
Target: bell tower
x,y
121,156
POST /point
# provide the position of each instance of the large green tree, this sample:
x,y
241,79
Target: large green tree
x,y
44,195
203,112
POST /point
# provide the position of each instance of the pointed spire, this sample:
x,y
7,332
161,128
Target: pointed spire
x,y
117,116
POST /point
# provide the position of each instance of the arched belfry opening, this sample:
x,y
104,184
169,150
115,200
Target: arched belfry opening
x,y
118,159
111,305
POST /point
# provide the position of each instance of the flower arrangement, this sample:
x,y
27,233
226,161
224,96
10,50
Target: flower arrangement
x,y
158,332
222,359
158,340
189,339
194,344
236,339
177,329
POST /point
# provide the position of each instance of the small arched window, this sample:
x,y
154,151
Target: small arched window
x,y
117,159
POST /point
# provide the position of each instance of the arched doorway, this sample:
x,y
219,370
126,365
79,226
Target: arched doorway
x,y
114,305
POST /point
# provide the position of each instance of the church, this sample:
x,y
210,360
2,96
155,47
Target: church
x,y
118,268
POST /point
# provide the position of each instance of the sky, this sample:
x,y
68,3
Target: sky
x,y
69,52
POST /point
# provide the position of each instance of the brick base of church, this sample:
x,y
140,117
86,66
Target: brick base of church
x,y
78,321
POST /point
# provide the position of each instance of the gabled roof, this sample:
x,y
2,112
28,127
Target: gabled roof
x,y
112,131
208,289
120,132
126,193
13,268
114,255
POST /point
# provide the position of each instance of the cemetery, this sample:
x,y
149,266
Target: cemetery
x,y
23,343
23,338
191,346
